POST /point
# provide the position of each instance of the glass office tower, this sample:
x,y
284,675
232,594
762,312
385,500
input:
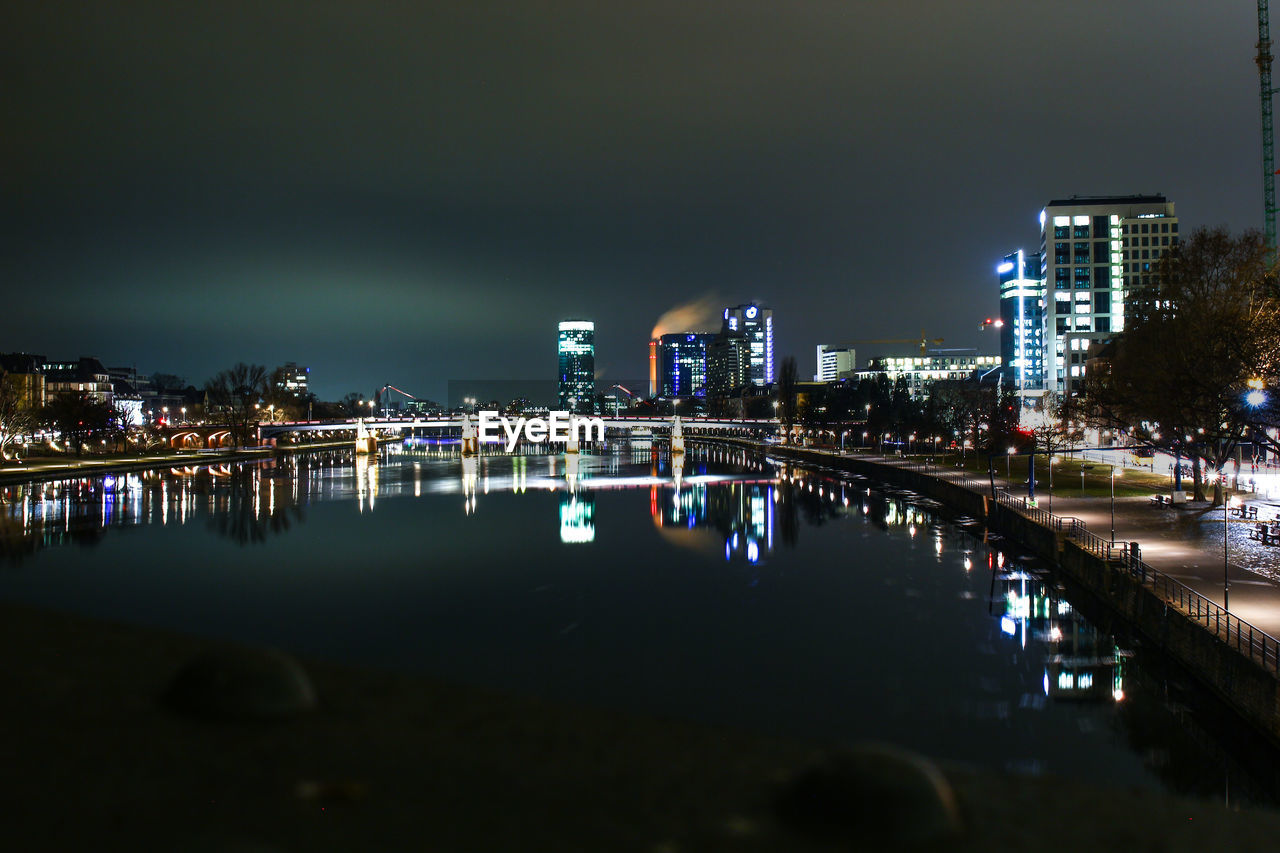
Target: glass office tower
x,y
577,350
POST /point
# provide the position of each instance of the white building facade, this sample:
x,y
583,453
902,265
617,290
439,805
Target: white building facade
x,y
1098,253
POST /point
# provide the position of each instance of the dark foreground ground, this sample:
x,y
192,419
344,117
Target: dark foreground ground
x,y
93,761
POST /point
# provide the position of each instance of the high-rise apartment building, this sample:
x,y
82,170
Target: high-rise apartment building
x,y
577,363
1098,255
1022,322
684,364
755,324
835,363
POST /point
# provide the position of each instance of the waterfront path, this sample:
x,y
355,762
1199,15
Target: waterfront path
x,y
1182,542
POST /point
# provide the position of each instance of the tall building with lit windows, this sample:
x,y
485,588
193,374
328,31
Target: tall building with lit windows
x,y
1022,322
1099,254
577,362
755,324
684,364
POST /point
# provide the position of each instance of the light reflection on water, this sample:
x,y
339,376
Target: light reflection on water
x,y
721,587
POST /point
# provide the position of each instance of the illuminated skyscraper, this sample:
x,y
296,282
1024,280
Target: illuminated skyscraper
x,y
755,324
577,374
1022,322
684,364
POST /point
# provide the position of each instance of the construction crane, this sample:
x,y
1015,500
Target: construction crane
x,y
378,400
1268,140
923,341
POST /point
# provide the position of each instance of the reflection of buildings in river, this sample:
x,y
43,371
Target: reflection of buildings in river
x,y
741,512
577,517
40,515
1082,663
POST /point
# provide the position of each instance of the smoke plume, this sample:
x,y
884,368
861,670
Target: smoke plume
x,y
700,315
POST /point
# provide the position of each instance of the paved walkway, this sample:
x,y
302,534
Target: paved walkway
x,y
1184,543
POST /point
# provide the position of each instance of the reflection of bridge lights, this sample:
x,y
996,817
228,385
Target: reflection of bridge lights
x,y
968,563
753,552
1008,626
1117,694
1055,634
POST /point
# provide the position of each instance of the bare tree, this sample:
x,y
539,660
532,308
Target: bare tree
x,y
1205,332
787,395
235,399
16,417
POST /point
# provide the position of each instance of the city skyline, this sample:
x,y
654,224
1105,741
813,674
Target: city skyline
x,y
189,192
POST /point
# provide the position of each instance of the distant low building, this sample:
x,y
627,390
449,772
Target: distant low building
x,y
27,372
294,379
921,372
73,378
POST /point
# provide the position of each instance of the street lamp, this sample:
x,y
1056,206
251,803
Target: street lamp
x,y
1113,503
1226,584
1008,464
1052,459
184,414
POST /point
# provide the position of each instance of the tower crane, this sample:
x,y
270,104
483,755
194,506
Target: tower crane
x,y
1265,92
923,341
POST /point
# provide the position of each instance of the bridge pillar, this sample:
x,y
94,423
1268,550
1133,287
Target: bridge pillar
x,y
366,443
677,436
470,441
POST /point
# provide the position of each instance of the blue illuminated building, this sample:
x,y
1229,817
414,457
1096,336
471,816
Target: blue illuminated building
x,y
684,364
1022,294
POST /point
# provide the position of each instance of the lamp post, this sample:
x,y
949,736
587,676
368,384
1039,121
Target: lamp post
x,y
1113,503
1051,461
1226,583
1008,465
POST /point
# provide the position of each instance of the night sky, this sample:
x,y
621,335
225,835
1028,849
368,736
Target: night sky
x,y
417,192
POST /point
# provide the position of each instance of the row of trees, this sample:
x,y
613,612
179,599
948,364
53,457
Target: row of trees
x,y
1189,375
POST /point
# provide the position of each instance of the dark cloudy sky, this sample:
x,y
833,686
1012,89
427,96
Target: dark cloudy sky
x,y
418,191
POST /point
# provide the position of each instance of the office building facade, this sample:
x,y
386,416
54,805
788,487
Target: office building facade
x,y
684,364
835,363
755,324
1022,322
921,372
1099,254
727,362
577,366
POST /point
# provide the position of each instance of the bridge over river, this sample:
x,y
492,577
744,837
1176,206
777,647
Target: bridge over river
x,y
449,423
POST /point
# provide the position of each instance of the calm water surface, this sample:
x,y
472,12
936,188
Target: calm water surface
x,y
730,590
